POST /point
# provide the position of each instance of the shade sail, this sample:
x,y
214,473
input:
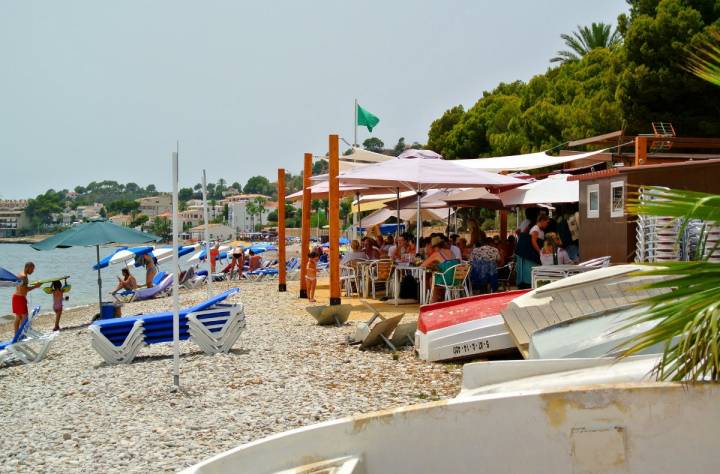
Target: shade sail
x,y
529,161
554,189
95,233
360,155
476,197
420,154
407,215
424,174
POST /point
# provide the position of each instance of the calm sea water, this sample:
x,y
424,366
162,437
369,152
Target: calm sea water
x,y
76,262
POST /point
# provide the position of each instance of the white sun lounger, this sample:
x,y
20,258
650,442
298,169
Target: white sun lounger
x,y
216,330
28,345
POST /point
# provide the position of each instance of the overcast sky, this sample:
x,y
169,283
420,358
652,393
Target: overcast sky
x,y
95,90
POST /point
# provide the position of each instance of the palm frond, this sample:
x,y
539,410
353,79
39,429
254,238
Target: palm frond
x,y
585,39
705,63
688,317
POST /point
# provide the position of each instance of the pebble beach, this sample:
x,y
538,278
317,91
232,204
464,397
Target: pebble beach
x,y
71,412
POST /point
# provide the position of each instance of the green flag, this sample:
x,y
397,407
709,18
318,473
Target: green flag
x,y
366,118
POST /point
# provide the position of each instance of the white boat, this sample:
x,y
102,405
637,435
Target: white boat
x,y
467,327
487,324
560,416
596,335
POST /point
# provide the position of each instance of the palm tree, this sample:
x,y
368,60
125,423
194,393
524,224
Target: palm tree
x,y
688,317
585,39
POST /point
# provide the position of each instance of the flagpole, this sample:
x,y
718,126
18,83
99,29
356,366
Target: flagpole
x,y
175,287
206,235
355,143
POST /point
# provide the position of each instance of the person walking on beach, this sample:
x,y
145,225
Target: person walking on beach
x,y
57,295
311,275
19,298
150,269
214,254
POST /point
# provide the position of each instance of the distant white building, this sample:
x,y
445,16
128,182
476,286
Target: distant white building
x,y
153,206
216,232
12,217
88,212
240,220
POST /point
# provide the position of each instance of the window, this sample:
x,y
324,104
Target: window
x,y
593,201
617,199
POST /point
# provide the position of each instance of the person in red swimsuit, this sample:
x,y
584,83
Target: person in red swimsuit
x,y
19,298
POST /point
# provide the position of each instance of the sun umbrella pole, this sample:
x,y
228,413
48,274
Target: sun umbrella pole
x,y
176,268
447,228
418,225
206,234
97,254
356,217
397,202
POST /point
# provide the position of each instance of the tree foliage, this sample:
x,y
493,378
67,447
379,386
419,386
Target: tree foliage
x,y
258,185
373,144
40,209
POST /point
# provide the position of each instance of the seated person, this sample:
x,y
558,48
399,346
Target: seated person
x,y
254,261
354,254
440,260
369,248
127,282
552,253
485,259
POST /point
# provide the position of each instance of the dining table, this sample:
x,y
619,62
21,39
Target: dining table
x,y
418,273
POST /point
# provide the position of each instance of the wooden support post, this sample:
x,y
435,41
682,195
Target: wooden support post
x,y
305,227
282,276
334,198
641,144
503,225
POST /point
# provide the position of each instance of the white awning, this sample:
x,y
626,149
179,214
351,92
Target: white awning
x,y
360,155
407,215
529,161
554,189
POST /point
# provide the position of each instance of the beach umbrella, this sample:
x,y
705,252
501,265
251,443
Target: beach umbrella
x,y
163,254
94,234
8,278
202,255
421,174
104,262
129,254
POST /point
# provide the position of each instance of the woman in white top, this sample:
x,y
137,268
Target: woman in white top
x,y
354,254
537,232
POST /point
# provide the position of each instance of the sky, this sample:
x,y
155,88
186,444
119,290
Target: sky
x,y
94,90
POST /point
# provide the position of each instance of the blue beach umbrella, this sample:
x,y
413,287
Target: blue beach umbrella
x,y
8,278
104,262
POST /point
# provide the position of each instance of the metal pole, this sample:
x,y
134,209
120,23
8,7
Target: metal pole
x,y
418,225
447,228
176,268
97,254
305,227
206,234
282,284
455,219
397,203
355,143
356,219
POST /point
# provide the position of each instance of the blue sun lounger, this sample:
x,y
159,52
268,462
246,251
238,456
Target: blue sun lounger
x,y
118,340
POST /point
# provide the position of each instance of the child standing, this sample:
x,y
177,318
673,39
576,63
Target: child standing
x,y
57,294
311,275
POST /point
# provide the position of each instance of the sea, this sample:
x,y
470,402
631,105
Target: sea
x,y
77,262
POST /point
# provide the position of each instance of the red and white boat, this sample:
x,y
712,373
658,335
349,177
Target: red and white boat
x,y
464,327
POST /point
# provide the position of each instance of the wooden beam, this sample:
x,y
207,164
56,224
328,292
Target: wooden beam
x,y
606,138
640,150
503,225
305,227
282,276
334,198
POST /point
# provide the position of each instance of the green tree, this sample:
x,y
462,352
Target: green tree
x,y
151,188
185,194
122,206
103,213
585,39
132,188
40,209
162,227
139,221
319,167
373,144
660,36
258,185
80,189
399,147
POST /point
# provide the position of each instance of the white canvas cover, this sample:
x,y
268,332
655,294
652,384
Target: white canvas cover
x,y
554,189
424,174
529,161
407,215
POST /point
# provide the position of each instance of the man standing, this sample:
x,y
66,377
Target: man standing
x,y
19,298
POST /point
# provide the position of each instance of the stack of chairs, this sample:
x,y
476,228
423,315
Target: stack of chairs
x,y
28,345
215,327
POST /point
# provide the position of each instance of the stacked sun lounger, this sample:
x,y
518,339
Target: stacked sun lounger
x,y
212,325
